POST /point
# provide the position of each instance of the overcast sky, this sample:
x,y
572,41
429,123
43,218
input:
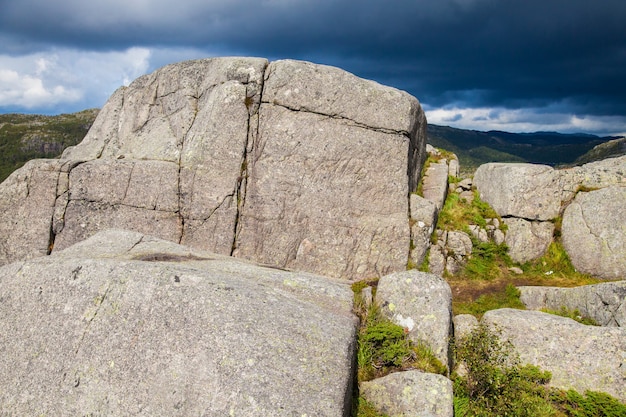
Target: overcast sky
x,y
514,65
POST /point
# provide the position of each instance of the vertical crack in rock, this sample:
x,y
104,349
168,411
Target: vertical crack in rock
x,y
196,98
252,132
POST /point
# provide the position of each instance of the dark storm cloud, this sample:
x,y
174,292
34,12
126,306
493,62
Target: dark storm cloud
x,y
480,53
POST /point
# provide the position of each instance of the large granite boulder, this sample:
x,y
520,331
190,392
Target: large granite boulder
x,y
605,303
126,324
410,393
527,191
422,304
286,163
579,357
594,232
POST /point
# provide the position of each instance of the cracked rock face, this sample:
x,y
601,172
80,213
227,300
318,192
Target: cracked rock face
x,y
287,163
594,232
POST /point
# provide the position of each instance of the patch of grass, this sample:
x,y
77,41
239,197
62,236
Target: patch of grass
x,y
458,213
487,261
555,268
572,314
508,297
589,404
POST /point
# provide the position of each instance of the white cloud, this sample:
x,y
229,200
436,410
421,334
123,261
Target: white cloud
x,y
67,78
525,120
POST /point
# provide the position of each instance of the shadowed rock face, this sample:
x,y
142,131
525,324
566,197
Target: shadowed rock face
x,y
287,163
127,324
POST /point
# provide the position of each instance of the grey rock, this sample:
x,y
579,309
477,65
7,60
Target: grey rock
x,y
499,237
579,357
529,191
436,260
479,233
454,167
454,265
594,232
605,303
126,324
463,325
435,183
459,244
410,393
600,174
516,270
423,221
421,303
467,196
527,240
27,202
466,184
239,157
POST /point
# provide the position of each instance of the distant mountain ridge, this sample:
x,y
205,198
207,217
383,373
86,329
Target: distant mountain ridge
x,y
24,137
475,148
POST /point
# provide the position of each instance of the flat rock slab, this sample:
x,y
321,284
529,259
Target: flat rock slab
x,y
579,357
126,324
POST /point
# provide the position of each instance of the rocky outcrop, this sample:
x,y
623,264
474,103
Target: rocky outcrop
x,y
126,324
422,304
579,357
410,393
530,197
286,163
594,232
604,303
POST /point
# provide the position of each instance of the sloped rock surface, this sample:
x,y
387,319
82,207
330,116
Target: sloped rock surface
x,y
126,324
421,303
605,303
423,222
579,357
594,232
410,393
290,163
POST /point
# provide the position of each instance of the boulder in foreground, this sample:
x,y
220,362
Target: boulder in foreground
x,y
126,324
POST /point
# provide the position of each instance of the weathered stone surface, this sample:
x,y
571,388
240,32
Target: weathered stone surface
x,y
528,191
527,240
27,200
313,202
290,163
605,303
454,167
421,303
463,325
598,174
436,260
579,357
423,222
594,232
435,183
126,324
410,393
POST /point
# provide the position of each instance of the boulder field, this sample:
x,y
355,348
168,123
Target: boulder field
x,y
194,254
